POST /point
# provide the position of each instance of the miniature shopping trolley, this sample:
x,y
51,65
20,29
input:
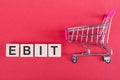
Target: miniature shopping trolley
x,y
97,34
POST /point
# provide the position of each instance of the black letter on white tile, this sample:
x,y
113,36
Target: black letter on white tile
x,y
54,47
40,50
11,48
26,50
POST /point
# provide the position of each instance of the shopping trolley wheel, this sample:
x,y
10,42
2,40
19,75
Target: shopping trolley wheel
x,y
74,59
107,59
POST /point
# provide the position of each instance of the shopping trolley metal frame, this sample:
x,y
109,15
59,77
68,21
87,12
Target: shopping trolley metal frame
x,y
99,37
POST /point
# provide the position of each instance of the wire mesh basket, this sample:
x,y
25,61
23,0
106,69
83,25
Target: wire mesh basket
x,y
97,34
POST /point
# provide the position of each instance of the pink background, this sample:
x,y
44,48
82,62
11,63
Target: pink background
x,y
44,21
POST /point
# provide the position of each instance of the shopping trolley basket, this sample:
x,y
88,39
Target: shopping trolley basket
x,y
94,35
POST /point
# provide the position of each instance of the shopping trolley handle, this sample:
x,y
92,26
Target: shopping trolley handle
x,y
111,13
108,17
66,34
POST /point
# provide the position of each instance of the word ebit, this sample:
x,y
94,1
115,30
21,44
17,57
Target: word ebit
x,y
33,50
